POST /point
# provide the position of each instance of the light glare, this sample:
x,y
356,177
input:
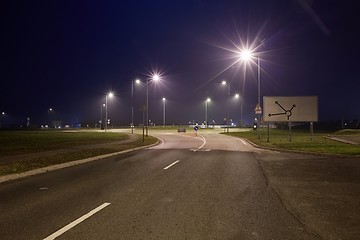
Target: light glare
x,y
246,55
156,77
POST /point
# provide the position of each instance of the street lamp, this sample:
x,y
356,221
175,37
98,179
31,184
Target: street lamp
x,y
224,83
155,77
110,95
237,96
206,111
164,100
102,126
137,81
247,55
1,118
49,120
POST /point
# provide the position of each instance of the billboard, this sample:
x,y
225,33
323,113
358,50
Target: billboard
x,y
291,109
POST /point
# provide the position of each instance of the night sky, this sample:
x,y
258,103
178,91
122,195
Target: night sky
x,y
66,55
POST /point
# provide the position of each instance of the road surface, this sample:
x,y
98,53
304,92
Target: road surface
x,y
208,186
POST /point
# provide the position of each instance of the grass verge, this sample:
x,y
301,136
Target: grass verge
x,y
69,154
300,142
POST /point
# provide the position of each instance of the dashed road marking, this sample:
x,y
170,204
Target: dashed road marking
x,y
169,166
76,222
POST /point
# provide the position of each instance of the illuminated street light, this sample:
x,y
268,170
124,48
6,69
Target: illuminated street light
x,y
164,100
48,112
237,96
137,81
247,55
206,111
1,118
224,83
155,77
110,95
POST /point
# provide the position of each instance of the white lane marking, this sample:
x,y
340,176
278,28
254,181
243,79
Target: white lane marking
x,y
162,143
243,142
165,168
204,142
76,222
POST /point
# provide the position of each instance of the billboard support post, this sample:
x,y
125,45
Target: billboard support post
x,y
289,131
311,131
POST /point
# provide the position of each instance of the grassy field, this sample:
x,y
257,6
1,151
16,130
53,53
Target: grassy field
x,y
301,142
27,150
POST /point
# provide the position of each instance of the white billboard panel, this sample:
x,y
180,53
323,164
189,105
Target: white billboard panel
x,y
291,109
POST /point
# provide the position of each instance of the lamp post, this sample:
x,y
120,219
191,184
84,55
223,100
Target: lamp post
x,y
49,121
258,107
101,116
137,81
1,118
238,96
246,55
224,83
164,100
206,111
155,78
110,95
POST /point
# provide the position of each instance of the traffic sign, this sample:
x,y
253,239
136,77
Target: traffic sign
x,y
258,109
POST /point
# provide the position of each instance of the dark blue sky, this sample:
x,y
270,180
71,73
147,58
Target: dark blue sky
x,y
67,54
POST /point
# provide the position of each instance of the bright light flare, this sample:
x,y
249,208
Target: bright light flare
x,y
237,95
163,99
246,55
137,81
156,77
223,82
110,94
208,100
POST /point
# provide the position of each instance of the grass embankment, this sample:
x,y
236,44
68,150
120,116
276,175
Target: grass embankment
x,y
301,142
27,150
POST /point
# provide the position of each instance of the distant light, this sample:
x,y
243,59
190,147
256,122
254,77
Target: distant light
x,y
110,94
2,113
223,82
237,95
208,99
163,99
50,109
137,81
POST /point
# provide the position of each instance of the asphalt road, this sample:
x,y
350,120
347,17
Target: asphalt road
x,y
208,186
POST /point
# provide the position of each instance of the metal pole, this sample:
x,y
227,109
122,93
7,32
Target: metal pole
x,y
164,100
132,107
259,115
241,110
228,108
206,106
105,112
147,106
101,117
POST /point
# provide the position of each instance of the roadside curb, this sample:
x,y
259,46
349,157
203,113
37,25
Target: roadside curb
x,y
298,152
33,172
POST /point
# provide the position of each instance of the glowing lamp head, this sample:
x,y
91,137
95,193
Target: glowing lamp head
x,y
223,82
156,77
110,94
246,55
163,99
137,81
237,95
208,100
